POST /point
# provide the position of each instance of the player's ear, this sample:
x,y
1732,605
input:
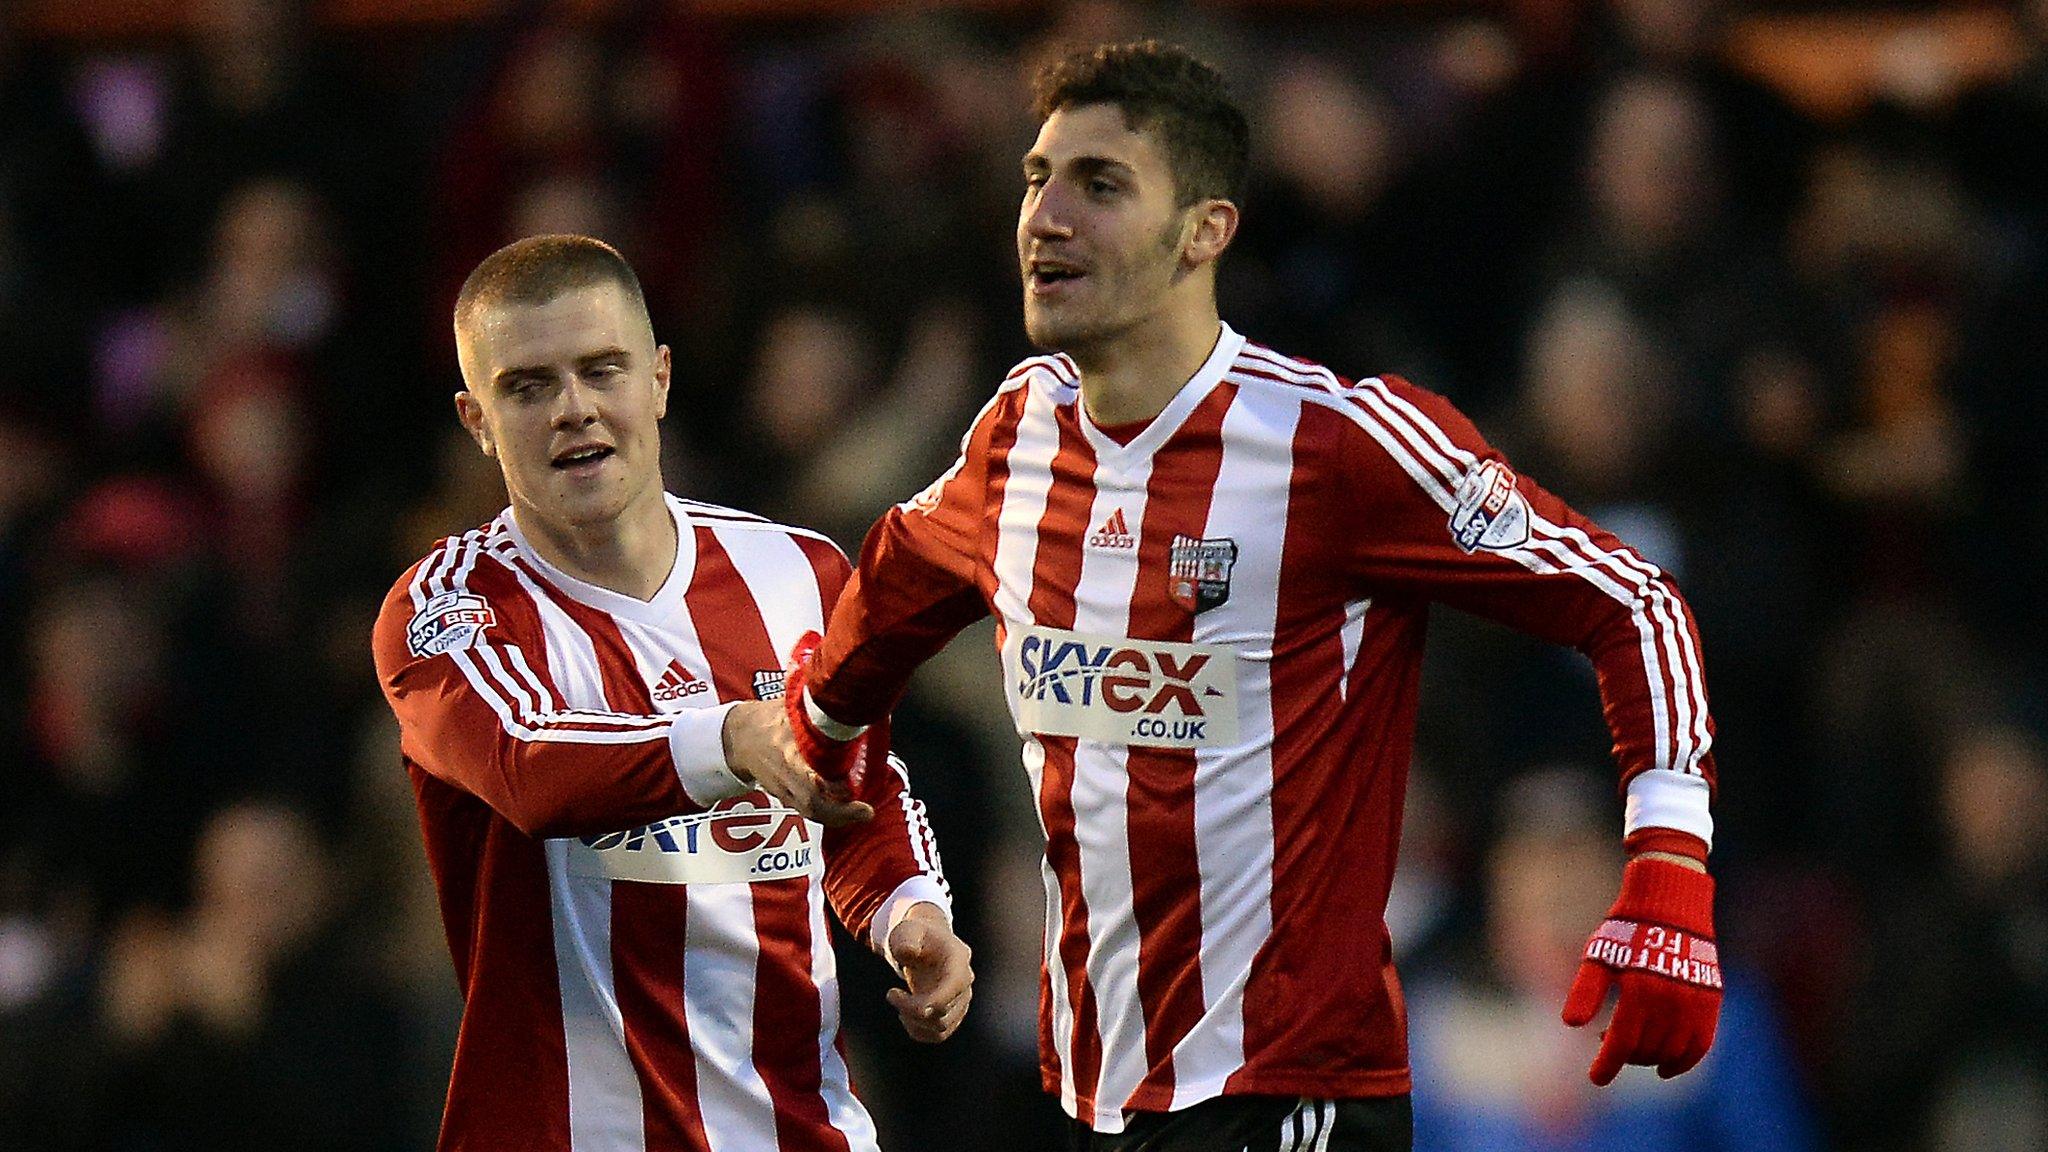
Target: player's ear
x,y
471,414
662,368
1212,228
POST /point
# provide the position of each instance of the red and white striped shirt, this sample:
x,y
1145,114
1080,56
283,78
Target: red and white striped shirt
x,y
1211,640
643,954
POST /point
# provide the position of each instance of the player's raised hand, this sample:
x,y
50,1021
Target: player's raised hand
x,y
760,749
936,970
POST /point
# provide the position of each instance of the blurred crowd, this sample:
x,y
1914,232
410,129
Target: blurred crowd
x,y
1798,362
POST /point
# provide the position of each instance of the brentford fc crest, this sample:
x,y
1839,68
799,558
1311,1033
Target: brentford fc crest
x,y
1198,572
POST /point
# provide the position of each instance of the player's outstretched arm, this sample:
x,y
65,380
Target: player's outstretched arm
x,y
1656,950
937,970
458,656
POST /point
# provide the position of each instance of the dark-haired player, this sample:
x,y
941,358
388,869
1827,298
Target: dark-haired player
x,y
640,937
1210,565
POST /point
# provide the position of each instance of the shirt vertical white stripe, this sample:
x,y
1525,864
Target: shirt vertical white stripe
x,y
720,960
1234,786
1107,583
651,652
1351,634
1057,987
1024,496
836,1083
776,571
604,1091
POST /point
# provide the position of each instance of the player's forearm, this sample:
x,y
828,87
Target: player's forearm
x,y
563,783
1655,702
876,868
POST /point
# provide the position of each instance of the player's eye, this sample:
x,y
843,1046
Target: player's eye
x,y
1101,187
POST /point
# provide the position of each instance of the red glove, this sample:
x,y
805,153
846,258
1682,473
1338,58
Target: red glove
x,y
837,761
1657,947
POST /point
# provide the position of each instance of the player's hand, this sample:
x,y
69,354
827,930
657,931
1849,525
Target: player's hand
x,y
836,757
760,750
935,967
1657,949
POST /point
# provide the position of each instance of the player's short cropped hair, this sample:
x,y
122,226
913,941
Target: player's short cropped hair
x,y
1168,91
538,269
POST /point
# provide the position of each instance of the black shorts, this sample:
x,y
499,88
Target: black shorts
x,y
1261,1124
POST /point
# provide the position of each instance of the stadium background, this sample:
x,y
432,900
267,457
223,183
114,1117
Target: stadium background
x,y
1760,287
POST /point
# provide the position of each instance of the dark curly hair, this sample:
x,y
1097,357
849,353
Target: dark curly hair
x,y
1168,91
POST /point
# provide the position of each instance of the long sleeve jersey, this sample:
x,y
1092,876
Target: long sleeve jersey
x,y
641,943
1211,639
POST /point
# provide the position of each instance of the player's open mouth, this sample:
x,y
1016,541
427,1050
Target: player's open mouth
x,y
588,456
1045,274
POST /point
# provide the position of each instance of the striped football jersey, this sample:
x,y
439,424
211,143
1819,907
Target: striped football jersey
x,y
1211,639
643,953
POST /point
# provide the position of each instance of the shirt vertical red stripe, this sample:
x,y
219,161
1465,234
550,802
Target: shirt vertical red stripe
x,y
1056,570
511,1037
788,1017
729,624
649,928
1160,801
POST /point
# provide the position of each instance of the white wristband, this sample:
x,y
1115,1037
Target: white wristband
x,y
919,889
696,742
828,727
1661,798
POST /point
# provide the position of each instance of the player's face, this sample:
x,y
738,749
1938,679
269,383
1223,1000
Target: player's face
x,y
1098,235
567,396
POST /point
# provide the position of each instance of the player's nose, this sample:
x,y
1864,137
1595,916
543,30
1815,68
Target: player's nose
x,y
576,406
1046,217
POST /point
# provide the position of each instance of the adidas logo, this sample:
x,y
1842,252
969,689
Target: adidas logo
x,y
677,683
1114,533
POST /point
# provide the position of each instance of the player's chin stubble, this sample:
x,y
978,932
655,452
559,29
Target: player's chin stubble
x,y
1047,328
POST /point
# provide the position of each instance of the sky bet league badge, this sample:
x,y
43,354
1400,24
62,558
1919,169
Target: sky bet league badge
x,y
451,620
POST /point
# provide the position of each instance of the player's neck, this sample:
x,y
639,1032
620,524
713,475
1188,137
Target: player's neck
x,y
1134,377
632,555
